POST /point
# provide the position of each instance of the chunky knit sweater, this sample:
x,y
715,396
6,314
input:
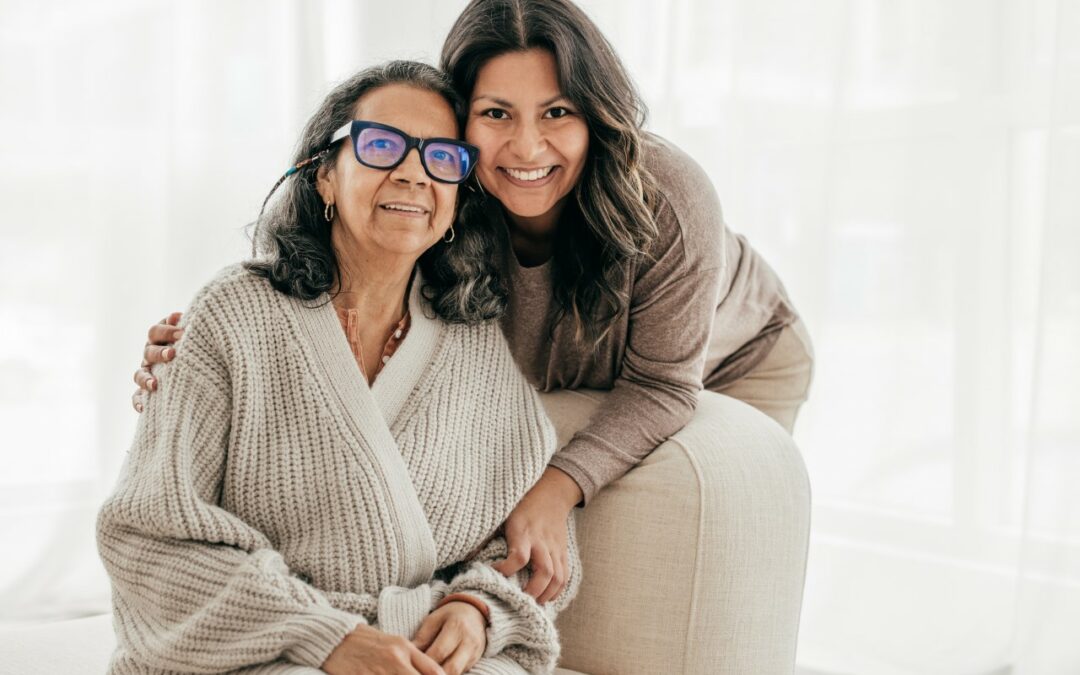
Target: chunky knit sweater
x,y
272,501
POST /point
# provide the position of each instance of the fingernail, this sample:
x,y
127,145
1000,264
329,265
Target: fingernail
x,y
138,407
168,353
151,383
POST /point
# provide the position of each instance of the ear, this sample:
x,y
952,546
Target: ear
x,y
326,180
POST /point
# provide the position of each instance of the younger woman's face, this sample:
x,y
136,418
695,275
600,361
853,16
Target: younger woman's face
x,y
533,140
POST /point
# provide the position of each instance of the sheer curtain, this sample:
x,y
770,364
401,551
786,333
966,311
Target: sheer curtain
x,y
910,169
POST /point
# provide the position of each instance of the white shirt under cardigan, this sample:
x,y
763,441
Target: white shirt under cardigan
x,y
272,501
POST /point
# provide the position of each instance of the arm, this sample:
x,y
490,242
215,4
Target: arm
x,y
195,588
653,397
673,303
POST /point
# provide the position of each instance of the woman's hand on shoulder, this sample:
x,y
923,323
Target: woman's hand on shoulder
x,y
159,349
536,535
369,651
454,635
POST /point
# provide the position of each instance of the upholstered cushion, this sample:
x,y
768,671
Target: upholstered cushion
x,y
694,561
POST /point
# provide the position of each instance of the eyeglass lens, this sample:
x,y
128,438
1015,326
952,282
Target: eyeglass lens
x,y
381,148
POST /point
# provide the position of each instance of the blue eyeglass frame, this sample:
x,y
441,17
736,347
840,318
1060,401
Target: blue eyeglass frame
x,y
351,130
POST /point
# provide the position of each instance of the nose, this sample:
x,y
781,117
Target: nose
x,y
527,142
411,170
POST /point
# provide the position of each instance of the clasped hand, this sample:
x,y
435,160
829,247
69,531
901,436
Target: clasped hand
x,y
449,642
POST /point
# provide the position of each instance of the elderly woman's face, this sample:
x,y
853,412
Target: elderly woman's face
x,y
401,211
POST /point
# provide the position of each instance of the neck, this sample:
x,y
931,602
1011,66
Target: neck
x,y
533,237
531,251
376,285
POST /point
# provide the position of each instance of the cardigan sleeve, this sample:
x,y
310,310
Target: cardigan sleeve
x,y
520,627
195,588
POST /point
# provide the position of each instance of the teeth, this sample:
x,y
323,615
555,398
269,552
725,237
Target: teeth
x,y
402,207
535,174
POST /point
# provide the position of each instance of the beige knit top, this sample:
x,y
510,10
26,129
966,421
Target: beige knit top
x,y
272,500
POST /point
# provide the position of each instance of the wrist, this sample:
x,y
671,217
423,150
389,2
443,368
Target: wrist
x,y
477,604
566,489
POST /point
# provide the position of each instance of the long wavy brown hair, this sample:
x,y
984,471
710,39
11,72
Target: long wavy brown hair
x,y
611,205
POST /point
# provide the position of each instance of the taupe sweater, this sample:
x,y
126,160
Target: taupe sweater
x,y
272,501
705,308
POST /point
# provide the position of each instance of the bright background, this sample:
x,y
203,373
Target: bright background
x,y
910,167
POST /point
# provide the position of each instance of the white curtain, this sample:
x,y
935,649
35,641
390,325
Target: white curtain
x,y
909,167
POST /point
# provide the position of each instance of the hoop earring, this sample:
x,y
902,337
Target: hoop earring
x,y
452,235
328,212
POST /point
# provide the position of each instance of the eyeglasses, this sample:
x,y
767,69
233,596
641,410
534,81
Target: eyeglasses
x,y
381,146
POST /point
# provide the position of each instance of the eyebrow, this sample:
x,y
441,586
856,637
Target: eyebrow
x,y
507,104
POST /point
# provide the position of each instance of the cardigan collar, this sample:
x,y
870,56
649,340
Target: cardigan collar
x,y
402,372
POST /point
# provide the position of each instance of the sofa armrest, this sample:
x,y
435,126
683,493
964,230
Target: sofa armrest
x,y
694,561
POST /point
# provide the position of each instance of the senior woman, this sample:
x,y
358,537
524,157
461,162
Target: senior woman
x,y
320,479
620,271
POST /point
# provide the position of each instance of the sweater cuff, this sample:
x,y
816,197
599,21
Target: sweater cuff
x,y
402,610
516,620
317,633
503,630
571,467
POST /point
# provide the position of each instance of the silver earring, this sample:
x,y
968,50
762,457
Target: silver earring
x,y
452,235
328,212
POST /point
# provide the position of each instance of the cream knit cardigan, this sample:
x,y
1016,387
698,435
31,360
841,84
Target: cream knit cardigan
x,y
272,501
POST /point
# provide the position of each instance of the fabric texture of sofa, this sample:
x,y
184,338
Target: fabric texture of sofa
x,y
694,561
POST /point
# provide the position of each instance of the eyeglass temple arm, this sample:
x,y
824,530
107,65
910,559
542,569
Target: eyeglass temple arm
x,y
341,133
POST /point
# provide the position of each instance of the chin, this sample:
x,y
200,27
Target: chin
x,y
409,246
528,208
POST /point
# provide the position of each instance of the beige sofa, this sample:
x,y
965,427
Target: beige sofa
x,y
694,561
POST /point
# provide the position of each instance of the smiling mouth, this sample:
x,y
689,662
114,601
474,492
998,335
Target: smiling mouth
x,y
528,176
406,209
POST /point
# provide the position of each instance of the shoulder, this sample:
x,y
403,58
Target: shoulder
x,y
483,353
688,216
202,351
234,294
481,341
678,176
487,379
232,285
233,301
